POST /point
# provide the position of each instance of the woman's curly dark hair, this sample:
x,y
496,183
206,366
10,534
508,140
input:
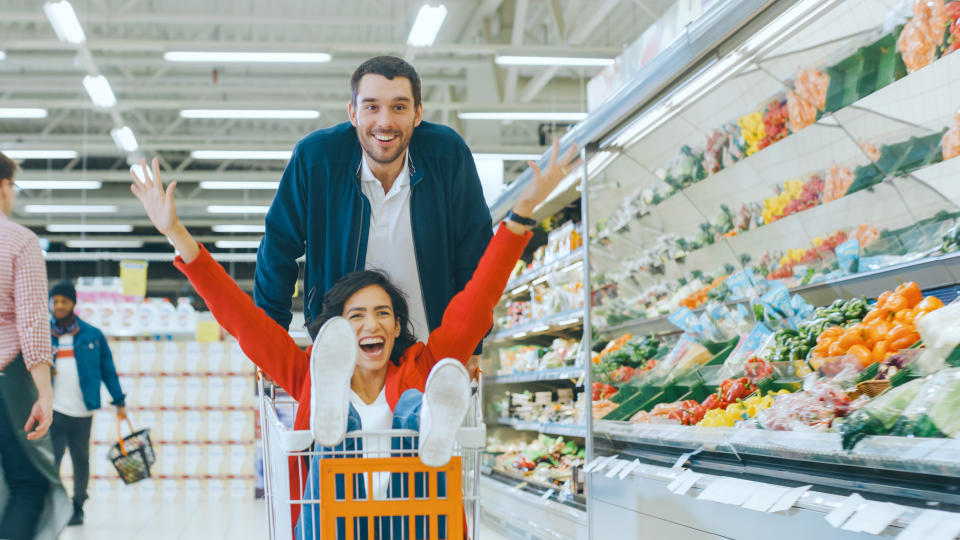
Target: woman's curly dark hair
x,y
347,286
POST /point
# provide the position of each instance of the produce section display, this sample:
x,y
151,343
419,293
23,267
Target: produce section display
x,y
545,460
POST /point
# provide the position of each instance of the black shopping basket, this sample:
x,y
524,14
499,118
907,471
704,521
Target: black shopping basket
x,y
132,455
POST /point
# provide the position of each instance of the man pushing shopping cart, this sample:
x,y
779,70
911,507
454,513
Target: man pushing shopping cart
x,y
364,374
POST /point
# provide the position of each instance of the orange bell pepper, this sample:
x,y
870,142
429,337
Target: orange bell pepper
x,y
905,341
929,304
882,299
896,302
836,349
863,354
877,329
880,349
853,336
905,316
911,292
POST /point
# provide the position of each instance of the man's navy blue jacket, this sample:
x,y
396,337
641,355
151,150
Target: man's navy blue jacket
x,y
94,365
320,210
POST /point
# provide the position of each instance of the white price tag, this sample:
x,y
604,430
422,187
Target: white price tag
x,y
598,464
683,459
873,517
932,525
788,499
842,513
546,496
625,472
618,464
684,482
728,491
764,496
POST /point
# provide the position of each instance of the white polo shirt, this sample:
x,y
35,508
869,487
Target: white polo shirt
x,y
390,246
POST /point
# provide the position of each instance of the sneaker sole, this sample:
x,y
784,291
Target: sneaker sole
x,y
332,360
448,397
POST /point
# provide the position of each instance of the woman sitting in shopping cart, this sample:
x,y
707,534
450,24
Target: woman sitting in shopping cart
x,y
362,340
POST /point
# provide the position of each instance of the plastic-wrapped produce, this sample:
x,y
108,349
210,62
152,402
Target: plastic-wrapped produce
x,y
879,415
922,34
839,180
809,95
813,409
933,413
950,143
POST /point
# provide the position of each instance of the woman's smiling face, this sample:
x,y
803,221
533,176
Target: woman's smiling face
x,y
370,313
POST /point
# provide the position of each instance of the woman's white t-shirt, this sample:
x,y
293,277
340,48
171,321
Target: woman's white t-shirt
x,y
376,416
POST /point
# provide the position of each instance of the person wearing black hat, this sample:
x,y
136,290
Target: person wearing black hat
x,y
82,362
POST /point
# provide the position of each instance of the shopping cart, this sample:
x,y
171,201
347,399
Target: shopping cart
x,y
382,491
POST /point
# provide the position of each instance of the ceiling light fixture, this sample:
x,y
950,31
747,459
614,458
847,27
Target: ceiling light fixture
x,y
40,154
59,184
237,244
247,57
553,61
64,21
237,209
104,244
218,184
541,116
22,112
98,88
88,228
239,228
3,55
427,25
241,154
124,139
252,114
70,208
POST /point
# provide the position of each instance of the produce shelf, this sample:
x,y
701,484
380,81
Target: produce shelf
x,y
560,264
549,325
556,374
513,481
564,430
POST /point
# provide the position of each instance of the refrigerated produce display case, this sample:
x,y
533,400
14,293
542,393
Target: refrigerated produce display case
x,y
770,234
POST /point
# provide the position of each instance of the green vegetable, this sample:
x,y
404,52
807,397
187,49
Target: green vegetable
x,y
879,416
934,412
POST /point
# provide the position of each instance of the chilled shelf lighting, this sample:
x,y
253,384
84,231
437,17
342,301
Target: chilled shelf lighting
x,y
22,112
562,61
241,154
64,21
59,184
89,228
104,244
237,244
247,57
542,116
239,228
98,88
40,154
222,184
251,114
237,209
70,208
124,139
427,25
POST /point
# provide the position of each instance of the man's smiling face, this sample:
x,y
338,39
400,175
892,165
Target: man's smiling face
x,y
385,115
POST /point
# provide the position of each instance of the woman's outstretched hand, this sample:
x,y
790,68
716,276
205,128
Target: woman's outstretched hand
x,y
162,210
545,181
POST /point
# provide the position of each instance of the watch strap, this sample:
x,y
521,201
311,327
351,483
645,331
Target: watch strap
x,y
525,221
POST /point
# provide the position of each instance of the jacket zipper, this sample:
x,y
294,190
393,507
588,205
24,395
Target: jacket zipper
x,y
416,258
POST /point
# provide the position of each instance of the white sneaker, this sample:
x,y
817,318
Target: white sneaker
x,y
332,360
446,398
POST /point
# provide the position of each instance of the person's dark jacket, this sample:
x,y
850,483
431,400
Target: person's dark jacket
x,y
320,210
94,365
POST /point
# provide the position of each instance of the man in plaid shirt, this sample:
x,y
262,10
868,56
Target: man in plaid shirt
x,y
24,344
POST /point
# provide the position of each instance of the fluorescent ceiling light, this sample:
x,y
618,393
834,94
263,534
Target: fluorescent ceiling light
x,y
247,57
234,244
281,114
239,228
89,227
427,25
64,21
22,112
3,55
98,88
241,154
552,61
59,184
543,116
70,208
212,184
141,172
124,139
508,157
104,244
237,209
40,154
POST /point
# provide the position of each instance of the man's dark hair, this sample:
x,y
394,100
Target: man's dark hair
x,y
347,286
7,168
389,67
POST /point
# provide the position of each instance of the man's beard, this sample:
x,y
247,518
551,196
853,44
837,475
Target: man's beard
x,y
373,150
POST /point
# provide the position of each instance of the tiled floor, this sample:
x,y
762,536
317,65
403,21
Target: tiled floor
x,y
231,520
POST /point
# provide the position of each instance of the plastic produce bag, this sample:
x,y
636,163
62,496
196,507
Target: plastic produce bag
x,y
879,415
933,413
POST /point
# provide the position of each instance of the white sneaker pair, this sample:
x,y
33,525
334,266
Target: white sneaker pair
x,y
445,399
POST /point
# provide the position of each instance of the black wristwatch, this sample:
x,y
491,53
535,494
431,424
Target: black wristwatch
x,y
525,221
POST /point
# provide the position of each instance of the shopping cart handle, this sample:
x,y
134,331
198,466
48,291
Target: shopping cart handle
x,y
472,437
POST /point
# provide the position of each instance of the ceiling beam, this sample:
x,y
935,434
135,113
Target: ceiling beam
x,y
220,18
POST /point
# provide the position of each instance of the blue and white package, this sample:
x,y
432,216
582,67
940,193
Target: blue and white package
x,y
741,283
683,318
848,256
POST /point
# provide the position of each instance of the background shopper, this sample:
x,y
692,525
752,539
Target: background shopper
x,y
82,362
34,495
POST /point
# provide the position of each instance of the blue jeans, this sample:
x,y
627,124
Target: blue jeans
x,y
406,415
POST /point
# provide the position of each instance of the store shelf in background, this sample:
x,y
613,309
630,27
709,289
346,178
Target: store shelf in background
x,y
560,264
564,430
556,374
155,442
517,482
552,324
